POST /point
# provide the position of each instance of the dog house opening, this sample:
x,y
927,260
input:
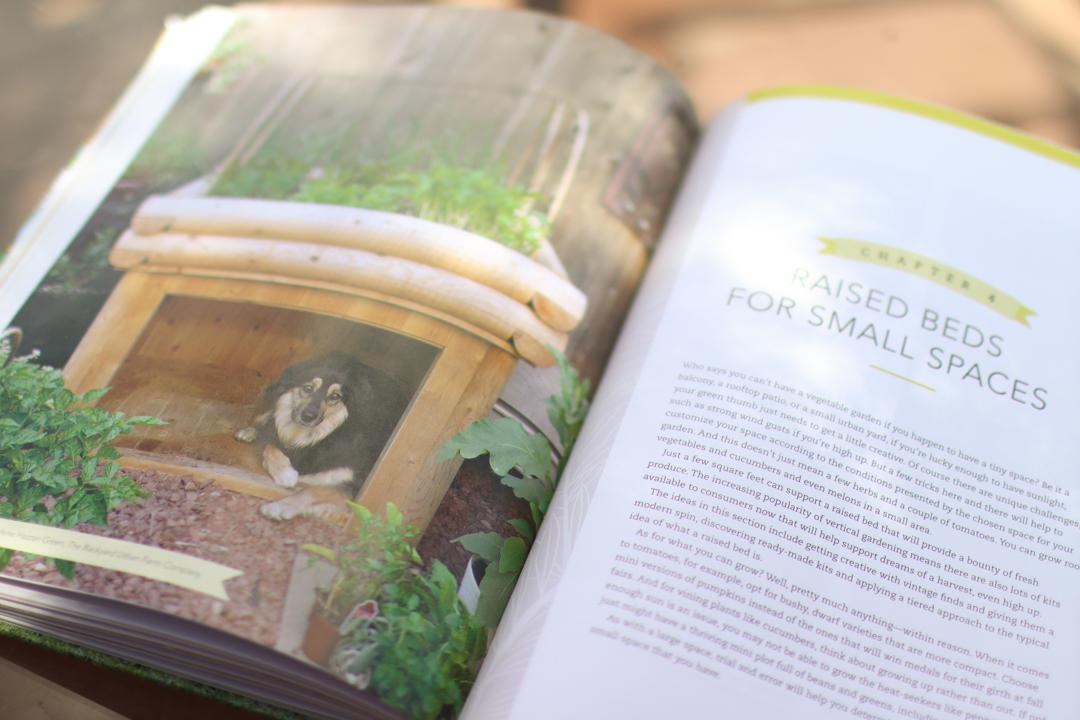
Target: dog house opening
x,y
209,367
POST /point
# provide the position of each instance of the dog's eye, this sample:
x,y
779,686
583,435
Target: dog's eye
x,y
307,388
333,398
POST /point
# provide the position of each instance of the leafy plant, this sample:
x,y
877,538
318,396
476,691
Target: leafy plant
x,y
89,269
429,650
379,554
169,158
468,198
408,637
274,178
523,462
56,464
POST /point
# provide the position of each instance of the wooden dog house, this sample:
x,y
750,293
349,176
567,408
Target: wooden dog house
x,y
220,295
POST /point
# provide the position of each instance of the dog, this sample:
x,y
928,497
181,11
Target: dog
x,y
325,423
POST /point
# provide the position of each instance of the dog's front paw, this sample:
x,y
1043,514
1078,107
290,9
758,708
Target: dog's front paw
x,y
246,435
277,510
279,468
286,477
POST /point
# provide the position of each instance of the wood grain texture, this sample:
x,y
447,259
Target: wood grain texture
x,y
295,263
463,386
463,253
113,332
203,349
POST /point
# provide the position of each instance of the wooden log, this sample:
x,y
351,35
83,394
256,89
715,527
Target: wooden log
x,y
461,388
114,331
230,478
302,264
485,261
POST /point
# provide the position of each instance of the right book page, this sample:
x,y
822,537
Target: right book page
x,y
831,470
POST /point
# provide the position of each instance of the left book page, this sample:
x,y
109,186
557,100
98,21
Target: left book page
x,y
247,358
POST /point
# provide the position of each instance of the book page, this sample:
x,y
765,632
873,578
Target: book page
x,y
832,472
274,346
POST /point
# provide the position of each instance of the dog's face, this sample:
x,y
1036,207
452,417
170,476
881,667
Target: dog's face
x,y
313,399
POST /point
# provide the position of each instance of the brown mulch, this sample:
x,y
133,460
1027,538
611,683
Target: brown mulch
x,y
212,523
209,522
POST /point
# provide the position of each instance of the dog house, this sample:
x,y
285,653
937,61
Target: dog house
x,y
220,295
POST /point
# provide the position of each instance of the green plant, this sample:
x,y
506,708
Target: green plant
x,y
169,158
468,198
379,554
408,637
523,462
56,464
274,178
90,269
230,58
429,650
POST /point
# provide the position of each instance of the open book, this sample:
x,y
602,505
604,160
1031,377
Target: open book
x,y
325,307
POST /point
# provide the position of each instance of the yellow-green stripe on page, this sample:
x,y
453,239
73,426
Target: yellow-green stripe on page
x,y
934,112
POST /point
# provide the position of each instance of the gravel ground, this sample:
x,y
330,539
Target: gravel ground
x,y
208,522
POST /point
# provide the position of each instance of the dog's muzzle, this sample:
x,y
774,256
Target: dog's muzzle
x,y
309,414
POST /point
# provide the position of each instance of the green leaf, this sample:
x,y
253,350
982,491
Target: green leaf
x,y
524,528
5,557
507,445
445,585
512,557
487,545
362,514
57,466
567,410
495,591
66,568
394,518
323,552
27,436
146,420
530,489
93,396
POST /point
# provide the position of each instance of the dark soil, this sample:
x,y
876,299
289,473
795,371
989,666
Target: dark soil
x,y
475,502
205,521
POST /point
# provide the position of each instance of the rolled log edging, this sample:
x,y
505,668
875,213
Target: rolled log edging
x,y
556,301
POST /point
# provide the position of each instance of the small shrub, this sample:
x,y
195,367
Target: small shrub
x,y
467,198
56,465
429,649
379,553
408,638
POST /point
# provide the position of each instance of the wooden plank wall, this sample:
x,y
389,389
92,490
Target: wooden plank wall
x,y
483,90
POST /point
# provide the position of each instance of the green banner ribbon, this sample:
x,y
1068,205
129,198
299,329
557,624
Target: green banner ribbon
x,y
932,270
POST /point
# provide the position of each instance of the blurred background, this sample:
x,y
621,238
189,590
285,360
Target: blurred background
x,y
64,62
